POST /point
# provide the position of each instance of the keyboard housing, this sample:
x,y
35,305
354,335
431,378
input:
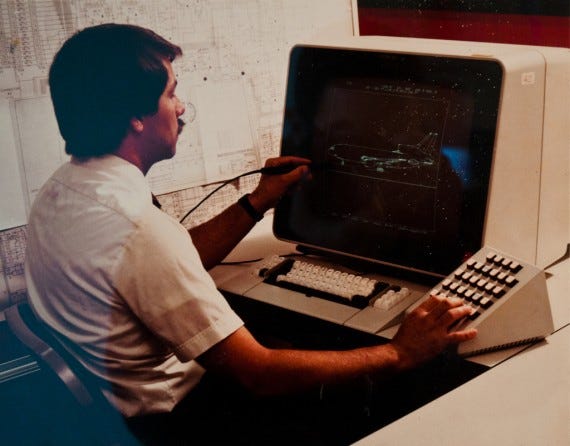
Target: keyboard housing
x,y
509,300
511,305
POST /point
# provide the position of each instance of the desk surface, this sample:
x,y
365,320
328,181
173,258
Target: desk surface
x,y
523,399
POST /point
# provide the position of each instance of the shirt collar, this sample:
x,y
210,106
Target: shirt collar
x,y
117,169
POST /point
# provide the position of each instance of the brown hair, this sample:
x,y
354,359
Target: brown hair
x,y
101,78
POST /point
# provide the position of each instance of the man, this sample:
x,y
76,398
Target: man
x,y
125,287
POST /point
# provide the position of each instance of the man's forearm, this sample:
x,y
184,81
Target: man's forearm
x,y
287,371
215,238
265,371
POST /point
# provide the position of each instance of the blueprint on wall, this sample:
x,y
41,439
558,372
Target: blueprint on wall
x,y
231,79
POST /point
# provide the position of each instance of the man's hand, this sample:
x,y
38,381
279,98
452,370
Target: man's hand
x,y
272,187
426,331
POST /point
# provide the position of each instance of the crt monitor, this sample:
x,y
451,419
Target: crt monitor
x,y
406,140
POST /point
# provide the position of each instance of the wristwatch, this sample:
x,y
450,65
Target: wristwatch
x,y
247,207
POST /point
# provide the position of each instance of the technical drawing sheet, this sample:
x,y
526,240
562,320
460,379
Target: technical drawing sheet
x,y
231,78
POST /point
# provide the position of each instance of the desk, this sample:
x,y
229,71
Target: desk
x,y
523,399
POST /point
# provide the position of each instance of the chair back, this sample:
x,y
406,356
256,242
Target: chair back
x,y
93,419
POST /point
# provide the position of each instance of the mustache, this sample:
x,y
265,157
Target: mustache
x,y
181,125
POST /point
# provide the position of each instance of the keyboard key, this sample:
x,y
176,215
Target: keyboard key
x,y
391,298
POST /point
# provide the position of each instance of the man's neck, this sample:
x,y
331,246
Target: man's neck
x,y
129,153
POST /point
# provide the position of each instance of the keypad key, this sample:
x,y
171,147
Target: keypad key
x,y
474,315
498,259
498,291
478,266
436,291
481,283
476,297
515,267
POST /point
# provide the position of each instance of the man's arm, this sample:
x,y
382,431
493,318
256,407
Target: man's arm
x,y
423,335
215,238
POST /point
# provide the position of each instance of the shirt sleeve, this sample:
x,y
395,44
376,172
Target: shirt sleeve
x,y
163,281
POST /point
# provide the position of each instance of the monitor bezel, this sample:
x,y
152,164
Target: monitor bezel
x,y
492,106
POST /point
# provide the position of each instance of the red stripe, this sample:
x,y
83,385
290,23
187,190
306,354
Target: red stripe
x,y
479,27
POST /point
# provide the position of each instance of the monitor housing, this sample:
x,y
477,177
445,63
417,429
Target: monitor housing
x,y
426,150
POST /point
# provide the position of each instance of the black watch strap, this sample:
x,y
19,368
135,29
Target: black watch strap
x,y
247,207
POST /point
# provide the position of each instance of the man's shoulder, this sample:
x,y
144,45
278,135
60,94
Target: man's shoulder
x,y
104,185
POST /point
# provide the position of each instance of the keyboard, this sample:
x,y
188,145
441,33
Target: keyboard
x,y
508,299
331,284
316,287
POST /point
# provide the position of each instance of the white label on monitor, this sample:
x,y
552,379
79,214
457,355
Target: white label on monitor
x,y
528,78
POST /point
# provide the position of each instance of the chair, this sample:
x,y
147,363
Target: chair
x,y
87,415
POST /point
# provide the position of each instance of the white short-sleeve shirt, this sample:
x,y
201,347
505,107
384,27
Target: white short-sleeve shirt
x,y
122,284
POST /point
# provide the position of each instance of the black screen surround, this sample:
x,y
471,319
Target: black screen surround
x,y
404,146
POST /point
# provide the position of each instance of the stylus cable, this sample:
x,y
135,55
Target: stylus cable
x,y
225,183
268,170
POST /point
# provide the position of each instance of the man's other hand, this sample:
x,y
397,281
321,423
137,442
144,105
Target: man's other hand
x,y
426,331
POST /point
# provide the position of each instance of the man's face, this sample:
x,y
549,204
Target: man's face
x,y
161,129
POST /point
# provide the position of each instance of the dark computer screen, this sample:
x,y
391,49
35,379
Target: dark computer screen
x,y
402,146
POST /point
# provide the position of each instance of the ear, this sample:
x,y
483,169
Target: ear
x,y
137,125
